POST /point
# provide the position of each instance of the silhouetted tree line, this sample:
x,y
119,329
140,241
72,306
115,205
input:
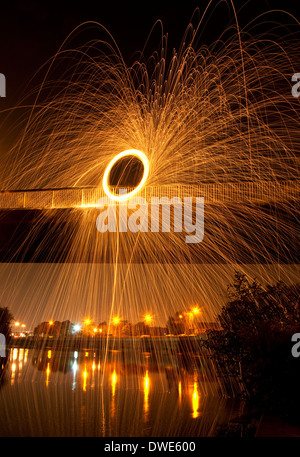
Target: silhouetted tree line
x,y
254,344
6,319
5,329
56,329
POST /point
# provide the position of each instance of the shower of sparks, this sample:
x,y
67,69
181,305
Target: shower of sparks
x,y
206,118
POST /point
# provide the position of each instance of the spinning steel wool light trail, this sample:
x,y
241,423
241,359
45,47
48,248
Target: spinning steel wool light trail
x,y
214,115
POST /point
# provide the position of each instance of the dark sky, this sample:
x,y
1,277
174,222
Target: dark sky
x,y
32,31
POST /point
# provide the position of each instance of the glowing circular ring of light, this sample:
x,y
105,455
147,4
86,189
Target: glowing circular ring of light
x,y
129,152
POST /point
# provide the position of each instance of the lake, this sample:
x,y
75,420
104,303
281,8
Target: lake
x,y
111,394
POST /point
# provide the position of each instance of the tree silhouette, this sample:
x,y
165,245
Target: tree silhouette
x,y
5,322
254,345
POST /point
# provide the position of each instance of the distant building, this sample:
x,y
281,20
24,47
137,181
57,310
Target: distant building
x,y
140,329
187,323
158,331
54,329
176,325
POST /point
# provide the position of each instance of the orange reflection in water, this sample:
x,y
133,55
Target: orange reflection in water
x,y
17,355
84,378
179,392
13,373
114,380
47,374
146,392
113,383
195,400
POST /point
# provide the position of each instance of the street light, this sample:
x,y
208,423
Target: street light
x,y
76,328
188,321
196,310
116,321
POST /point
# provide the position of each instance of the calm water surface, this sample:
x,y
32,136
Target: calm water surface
x,y
59,393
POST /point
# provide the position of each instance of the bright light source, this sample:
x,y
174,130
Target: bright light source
x,y
129,152
50,322
76,328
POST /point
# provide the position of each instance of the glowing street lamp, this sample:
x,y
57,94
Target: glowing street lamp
x,y
116,321
196,310
189,316
76,328
148,318
18,331
192,315
50,322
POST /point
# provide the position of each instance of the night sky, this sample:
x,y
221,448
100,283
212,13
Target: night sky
x,y
32,31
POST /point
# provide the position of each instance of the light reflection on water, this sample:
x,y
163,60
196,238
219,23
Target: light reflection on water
x,y
60,393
